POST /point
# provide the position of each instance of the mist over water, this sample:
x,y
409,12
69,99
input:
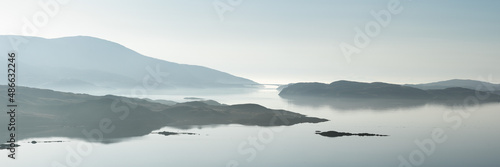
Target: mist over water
x,y
297,145
180,83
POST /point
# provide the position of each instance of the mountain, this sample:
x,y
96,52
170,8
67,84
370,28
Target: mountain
x,y
462,83
349,89
348,95
47,113
71,63
457,93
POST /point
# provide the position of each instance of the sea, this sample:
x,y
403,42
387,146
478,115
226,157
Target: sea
x,y
418,135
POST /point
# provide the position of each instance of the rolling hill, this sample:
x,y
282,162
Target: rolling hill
x,y
461,83
349,89
87,63
47,113
348,95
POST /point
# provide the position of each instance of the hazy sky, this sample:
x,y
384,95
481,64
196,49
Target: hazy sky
x,y
281,41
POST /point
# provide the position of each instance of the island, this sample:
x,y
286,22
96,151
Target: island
x,y
340,134
48,113
7,146
350,95
166,133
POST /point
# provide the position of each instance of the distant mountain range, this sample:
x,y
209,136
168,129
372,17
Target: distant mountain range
x,y
461,83
349,94
86,63
47,113
349,89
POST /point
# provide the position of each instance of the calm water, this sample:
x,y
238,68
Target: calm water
x,y
427,135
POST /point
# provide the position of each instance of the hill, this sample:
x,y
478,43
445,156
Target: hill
x,y
348,95
47,113
349,89
86,63
461,83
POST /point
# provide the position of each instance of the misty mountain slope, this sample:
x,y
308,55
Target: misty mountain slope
x,y
458,93
47,113
462,83
349,89
108,65
348,95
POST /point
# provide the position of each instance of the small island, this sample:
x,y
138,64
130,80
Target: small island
x,y
6,146
35,142
166,133
340,134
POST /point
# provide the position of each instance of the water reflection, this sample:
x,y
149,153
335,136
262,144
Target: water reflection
x,y
105,119
291,145
375,104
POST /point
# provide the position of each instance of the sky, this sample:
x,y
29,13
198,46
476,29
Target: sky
x,y
285,41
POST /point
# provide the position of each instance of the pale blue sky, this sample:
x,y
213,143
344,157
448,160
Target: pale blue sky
x,y
281,41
